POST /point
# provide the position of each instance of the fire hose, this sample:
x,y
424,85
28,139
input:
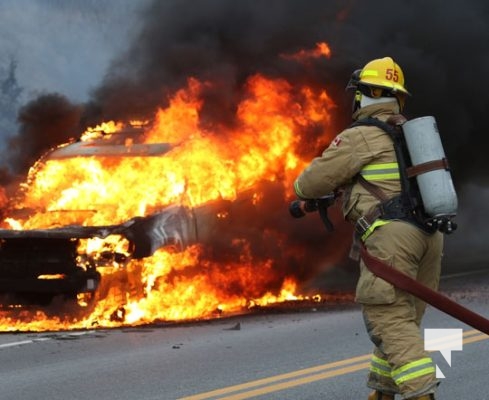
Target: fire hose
x,y
397,278
430,296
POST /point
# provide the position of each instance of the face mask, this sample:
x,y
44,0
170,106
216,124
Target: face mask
x,y
366,101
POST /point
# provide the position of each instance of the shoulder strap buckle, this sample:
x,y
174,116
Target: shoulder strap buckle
x,y
362,225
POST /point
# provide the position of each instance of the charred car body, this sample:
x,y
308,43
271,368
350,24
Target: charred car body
x,y
37,265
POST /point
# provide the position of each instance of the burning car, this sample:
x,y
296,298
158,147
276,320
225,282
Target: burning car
x,y
98,220
38,264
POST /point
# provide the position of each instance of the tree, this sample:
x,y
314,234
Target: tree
x,y
10,92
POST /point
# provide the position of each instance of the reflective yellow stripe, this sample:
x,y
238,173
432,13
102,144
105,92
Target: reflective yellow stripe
x,y
382,165
380,367
369,72
405,373
376,224
381,361
417,363
376,172
413,370
382,177
298,191
380,371
414,375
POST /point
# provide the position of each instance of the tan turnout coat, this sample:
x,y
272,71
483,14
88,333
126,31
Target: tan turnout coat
x,y
349,152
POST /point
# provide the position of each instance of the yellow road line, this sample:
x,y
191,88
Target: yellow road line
x,y
297,382
303,376
276,378
477,338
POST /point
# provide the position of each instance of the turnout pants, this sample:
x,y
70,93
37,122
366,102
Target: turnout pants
x,y
392,317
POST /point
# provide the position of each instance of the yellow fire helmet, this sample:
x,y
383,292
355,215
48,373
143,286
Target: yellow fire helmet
x,y
383,73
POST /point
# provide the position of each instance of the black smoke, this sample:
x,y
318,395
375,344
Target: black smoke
x,y
45,122
221,41
442,47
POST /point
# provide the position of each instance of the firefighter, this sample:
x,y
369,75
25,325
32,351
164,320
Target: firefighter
x,y
362,162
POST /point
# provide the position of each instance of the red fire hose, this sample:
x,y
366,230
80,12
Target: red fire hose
x,y
436,299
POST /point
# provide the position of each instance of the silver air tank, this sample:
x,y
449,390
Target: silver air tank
x,y
436,186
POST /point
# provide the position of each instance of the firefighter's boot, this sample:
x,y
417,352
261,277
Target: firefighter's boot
x,y
376,395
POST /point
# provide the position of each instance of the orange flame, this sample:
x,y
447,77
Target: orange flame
x,y
200,168
103,128
322,49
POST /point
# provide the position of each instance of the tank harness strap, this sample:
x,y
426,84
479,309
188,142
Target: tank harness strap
x,y
397,207
373,189
387,209
427,167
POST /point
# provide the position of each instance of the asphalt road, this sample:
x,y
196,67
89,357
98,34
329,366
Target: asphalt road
x,y
320,353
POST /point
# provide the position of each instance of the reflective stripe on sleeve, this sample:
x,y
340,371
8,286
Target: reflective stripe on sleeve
x,y
298,191
376,172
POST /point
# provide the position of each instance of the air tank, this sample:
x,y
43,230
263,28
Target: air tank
x,y
436,187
